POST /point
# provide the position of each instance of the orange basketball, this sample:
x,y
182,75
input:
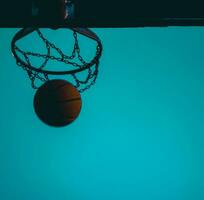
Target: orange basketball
x,y
57,103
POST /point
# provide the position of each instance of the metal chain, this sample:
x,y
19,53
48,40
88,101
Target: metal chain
x,y
92,74
95,75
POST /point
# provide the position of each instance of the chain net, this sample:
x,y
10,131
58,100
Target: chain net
x,y
81,85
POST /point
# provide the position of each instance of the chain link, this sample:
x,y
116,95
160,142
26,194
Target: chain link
x,y
92,72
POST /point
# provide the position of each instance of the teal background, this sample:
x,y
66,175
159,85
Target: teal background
x,y
139,134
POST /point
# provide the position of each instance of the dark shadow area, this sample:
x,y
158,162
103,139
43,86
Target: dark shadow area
x,y
115,13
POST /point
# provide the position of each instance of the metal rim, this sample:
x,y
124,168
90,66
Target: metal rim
x,y
83,31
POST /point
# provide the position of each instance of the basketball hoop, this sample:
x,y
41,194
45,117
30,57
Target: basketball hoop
x,y
43,75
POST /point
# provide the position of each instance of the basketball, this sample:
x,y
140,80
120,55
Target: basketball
x,y
57,103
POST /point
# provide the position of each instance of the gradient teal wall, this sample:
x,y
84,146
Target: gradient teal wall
x,y
140,135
